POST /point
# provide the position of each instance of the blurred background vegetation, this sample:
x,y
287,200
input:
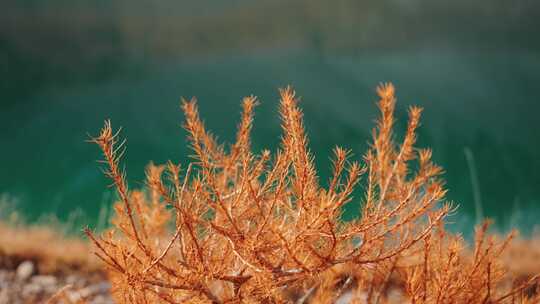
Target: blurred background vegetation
x,y
68,65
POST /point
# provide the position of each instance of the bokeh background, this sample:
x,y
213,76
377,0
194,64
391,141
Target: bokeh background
x,y
66,66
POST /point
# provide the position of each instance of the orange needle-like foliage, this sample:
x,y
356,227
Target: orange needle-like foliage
x,y
241,227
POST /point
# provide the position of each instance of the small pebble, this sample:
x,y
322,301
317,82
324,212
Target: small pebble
x,y
25,270
44,280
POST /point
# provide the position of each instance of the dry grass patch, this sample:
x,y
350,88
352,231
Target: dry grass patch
x,y
51,251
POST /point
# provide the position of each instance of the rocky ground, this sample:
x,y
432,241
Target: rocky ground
x,y
24,284
38,264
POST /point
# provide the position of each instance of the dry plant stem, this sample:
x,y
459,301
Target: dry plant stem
x,y
250,226
60,295
107,141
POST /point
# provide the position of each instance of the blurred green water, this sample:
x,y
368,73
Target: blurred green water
x,y
482,95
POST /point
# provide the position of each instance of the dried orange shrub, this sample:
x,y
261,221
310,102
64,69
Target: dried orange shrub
x,y
249,228
443,270
449,273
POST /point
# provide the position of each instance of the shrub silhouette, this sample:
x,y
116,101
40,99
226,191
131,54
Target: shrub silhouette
x,y
240,227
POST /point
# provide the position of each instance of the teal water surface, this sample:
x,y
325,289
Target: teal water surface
x,y
472,100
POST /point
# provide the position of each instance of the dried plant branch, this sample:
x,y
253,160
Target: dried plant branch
x,y
248,227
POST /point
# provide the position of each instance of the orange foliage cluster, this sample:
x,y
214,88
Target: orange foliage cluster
x,y
240,227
